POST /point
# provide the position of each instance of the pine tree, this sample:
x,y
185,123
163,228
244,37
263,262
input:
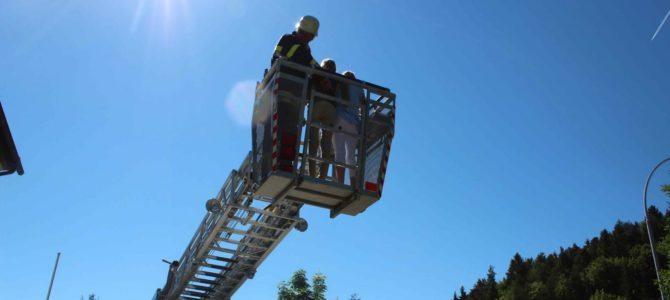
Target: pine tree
x,y
464,295
491,284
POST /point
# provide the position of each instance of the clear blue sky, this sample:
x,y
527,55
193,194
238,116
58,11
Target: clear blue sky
x,y
522,126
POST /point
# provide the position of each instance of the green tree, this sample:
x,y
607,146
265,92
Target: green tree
x,y
478,292
604,273
484,289
319,287
538,291
515,285
463,294
614,265
491,284
664,248
298,287
601,295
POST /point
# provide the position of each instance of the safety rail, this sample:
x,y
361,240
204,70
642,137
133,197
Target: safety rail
x,y
292,83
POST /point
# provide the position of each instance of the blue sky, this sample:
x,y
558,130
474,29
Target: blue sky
x,y
522,126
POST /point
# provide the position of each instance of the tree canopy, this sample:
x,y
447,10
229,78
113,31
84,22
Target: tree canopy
x,y
299,288
614,265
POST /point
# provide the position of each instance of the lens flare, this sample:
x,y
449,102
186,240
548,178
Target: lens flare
x,y
240,102
160,15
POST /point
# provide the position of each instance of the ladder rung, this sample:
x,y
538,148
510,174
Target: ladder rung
x,y
199,288
193,293
245,255
210,274
242,243
219,258
255,223
215,266
260,211
246,233
206,281
224,250
241,264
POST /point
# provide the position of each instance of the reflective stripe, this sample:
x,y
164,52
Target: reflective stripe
x,y
278,50
292,50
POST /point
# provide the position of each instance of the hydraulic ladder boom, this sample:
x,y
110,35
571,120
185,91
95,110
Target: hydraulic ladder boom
x,y
260,202
232,240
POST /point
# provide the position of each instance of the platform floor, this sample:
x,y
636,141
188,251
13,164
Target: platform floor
x,y
317,192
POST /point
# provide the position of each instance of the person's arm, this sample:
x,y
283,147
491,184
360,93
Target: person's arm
x,y
279,48
310,58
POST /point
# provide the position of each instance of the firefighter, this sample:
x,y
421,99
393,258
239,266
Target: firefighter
x,y
295,48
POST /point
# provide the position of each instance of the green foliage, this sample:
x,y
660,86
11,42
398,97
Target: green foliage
x,y
615,265
664,250
319,287
299,288
484,289
463,294
601,295
491,285
666,189
538,290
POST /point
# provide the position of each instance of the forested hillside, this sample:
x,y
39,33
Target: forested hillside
x,y
614,265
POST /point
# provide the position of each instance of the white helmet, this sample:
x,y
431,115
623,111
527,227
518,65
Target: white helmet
x,y
308,24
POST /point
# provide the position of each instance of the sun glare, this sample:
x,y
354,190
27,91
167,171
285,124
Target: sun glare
x,y
163,15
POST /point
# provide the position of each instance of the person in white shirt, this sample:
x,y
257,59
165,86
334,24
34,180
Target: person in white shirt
x,y
347,124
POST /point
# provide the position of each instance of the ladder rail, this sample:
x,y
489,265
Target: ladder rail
x,y
205,233
200,274
266,253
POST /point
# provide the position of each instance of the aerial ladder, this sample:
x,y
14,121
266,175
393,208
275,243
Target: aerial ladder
x,y
259,203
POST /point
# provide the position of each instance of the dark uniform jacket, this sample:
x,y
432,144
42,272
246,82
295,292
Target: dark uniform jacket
x,y
294,50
